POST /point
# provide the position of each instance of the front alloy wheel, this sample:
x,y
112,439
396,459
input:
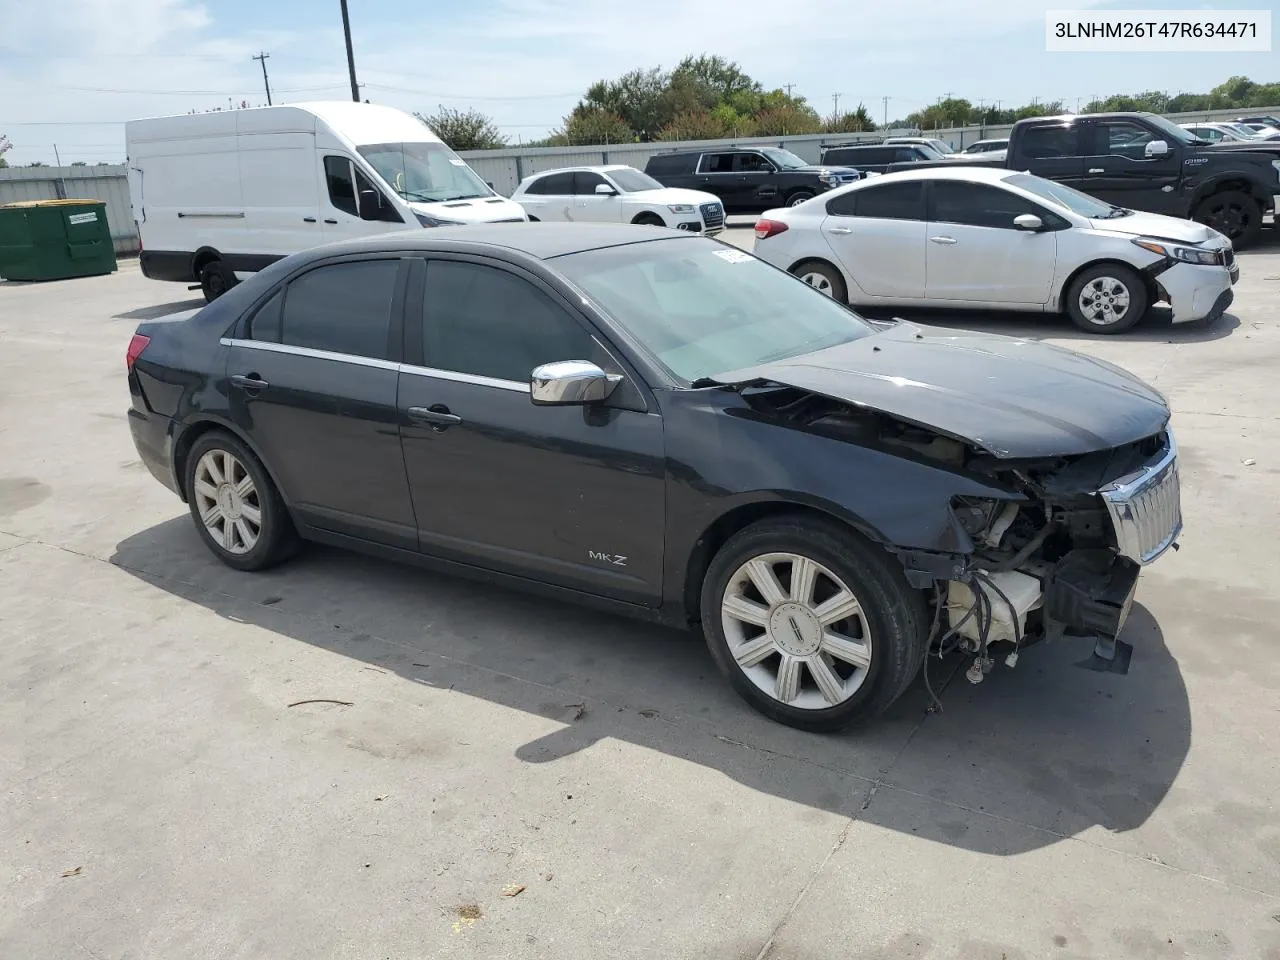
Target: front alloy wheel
x,y
1104,301
805,644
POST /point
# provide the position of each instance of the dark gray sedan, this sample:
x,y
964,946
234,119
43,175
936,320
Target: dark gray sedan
x,y
663,425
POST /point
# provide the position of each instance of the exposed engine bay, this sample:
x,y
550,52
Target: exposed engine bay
x,y
1058,556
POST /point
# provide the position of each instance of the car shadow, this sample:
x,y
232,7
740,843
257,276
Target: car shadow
x,y
1156,327
1068,747
161,309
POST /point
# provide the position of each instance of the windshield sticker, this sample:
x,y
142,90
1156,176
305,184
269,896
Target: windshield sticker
x,y
734,256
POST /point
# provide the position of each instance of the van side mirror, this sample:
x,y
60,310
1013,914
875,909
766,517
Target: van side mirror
x,y
373,206
1156,148
605,190
1028,221
570,382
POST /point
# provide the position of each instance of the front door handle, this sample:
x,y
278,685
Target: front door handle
x,y
437,415
308,219
250,382
331,222
841,230
944,240
1097,170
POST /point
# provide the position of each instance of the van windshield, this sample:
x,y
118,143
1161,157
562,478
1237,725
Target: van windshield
x,y
425,172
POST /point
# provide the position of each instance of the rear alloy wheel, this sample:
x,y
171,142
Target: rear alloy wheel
x,y
814,627
1108,298
1233,214
235,505
215,280
822,277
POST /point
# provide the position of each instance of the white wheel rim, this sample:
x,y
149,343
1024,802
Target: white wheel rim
x,y
796,631
1104,301
818,281
228,502
796,201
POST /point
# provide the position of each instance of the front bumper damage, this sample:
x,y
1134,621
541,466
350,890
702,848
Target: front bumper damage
x,y
1077,575
1196,292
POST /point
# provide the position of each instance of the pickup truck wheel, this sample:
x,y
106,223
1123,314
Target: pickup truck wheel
x,y
215,280
800,196
1233,213
822,277
1108,298
813,626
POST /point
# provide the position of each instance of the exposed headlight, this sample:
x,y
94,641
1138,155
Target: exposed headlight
x,y
680,207
427,220
1207,258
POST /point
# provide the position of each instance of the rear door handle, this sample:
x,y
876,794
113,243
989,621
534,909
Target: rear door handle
x,y
1097,170
943,240
308,219
840,230
249,382
437,415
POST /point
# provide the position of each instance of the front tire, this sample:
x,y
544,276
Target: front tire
x,y
1107,298
800,196
648,220
235,505
1232,213
815,627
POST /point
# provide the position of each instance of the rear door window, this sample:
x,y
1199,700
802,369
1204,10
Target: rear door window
x,y
341,308
752,163
556,185
892,201
1055,141
716,163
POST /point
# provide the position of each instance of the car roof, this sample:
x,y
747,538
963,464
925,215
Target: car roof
x,y
598,168
961,171
542,240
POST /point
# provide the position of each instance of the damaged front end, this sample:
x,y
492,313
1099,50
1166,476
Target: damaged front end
x,y
1064,561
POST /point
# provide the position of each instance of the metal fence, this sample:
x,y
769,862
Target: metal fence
x,y
106,183
504,168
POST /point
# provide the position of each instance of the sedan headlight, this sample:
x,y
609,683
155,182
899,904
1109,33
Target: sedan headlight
x,y
680,207
427,220
1208,258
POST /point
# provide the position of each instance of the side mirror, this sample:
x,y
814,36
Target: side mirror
x,y
570,382
1028,221
1156,148
605,190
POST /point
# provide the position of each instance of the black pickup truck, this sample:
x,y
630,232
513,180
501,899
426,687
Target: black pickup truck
x,y
1144,162
748,179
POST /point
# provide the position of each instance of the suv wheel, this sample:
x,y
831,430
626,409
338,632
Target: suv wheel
x,y
1108,298
1232,213
800,196
813,626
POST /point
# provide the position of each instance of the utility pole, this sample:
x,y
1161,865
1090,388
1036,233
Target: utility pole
x,y
886,112
788,87
351,59
262,58
835,107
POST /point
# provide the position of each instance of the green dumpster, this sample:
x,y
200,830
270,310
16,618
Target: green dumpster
x,y
55,239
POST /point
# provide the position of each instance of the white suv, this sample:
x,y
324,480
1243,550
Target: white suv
x,y
617,194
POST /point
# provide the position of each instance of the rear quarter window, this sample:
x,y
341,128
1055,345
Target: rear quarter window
x,y
669,163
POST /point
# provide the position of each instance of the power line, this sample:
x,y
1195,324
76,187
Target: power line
x,y
262,58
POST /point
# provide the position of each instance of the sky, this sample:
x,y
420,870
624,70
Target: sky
x,y
72,78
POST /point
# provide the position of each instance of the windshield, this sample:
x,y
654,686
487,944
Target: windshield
x,y
631,180
425,172
1241,129
1078,203
700,307
784,159
941,146
1171,130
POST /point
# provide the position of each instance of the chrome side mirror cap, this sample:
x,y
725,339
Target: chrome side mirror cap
x,y
1028,221
1156,148
570,382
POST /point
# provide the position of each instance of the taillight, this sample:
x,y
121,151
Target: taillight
x,y
136,346
769,228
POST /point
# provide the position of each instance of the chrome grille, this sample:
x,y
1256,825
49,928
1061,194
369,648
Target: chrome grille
x,y
1145,507
712,215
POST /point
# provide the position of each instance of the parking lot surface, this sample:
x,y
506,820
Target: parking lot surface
x,y
345,758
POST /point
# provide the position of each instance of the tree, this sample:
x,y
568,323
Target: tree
x,y
37,163
695,125
592,125
642,98
5,147
855,122
464,129
78,163
787,120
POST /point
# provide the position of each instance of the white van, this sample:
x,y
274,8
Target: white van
x,y
217,195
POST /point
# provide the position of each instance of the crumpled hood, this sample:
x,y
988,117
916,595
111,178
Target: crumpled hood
x,y
1013,398
1160,227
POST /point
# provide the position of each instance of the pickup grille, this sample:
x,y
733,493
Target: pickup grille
x,y
712,215
848,177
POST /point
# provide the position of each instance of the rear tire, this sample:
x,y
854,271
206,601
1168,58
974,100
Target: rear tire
x,y
236,507
1232,213
1107,298
215,280
840,640
824,278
